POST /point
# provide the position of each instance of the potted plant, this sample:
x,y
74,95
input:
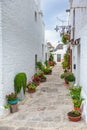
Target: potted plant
x,y
12,98
51,57
47,63
51,63
75,93
65,38
64,76
20,82
36,79
77,103
74,115
47,71
12,101
41,76
31,87
66,63
40,66
70,78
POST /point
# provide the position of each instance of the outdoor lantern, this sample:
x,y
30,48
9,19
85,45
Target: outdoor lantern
x,y
77,41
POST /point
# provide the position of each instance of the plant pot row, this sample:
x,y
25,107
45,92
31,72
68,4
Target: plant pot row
x,y
75,93
36,80
20,86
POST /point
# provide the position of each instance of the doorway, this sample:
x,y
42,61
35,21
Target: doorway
x,y
58,57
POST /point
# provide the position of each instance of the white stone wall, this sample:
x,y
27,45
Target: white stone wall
x,y
61,52
83,69
1,67
80,52
22,38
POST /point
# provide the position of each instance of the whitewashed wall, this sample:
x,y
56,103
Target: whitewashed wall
x,y
1,67
62,52
83,68
22,38
80,52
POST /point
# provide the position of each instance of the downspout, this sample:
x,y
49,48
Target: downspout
x,y
74,24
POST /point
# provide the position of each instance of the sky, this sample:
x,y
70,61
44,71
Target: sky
x,y
53,10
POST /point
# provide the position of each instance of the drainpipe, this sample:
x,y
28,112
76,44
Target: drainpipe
x,y
74,24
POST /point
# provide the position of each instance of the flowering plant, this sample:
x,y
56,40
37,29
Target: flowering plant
x,y
11,96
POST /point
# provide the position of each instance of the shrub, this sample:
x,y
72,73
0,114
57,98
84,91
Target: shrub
x,y
69,76
40,66
65,63
75,93
20,81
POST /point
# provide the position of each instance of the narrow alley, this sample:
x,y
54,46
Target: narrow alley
x,y
44,110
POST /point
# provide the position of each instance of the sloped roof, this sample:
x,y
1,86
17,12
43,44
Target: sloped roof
x,y
49,45
59,47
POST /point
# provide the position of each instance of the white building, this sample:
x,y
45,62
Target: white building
x,y
78,21
21,41
59,52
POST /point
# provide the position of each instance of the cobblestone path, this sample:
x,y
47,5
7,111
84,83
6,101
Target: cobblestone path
x,y
44,110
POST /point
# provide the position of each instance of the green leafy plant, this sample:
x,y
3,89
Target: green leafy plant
x,y
32,85
75,93
40,66
51,58
74,113
78,102
47,70
65,38
11,96
7,106
65,63
47,63
20,81
69,76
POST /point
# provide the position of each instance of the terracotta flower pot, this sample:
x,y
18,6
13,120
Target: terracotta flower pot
x,y
66,83
77,108
31,90
78,118
37,83
74,117
43,80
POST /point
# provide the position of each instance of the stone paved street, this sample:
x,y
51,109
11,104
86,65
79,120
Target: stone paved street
x,y
44,110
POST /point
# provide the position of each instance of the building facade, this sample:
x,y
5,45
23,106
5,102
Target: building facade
x,y
78,21
59,52
21,42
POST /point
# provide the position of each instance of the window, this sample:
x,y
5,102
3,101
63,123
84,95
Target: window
x,y
35,16
42,50
45,56
35,61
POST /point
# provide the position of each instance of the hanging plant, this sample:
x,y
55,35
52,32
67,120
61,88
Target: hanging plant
x,y
65,38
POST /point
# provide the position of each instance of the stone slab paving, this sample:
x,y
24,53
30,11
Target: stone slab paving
x,y
44,110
